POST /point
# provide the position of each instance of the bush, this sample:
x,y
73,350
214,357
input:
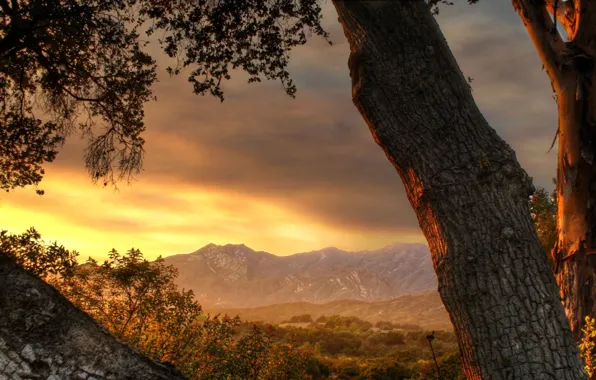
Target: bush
x,y
587,348
391,371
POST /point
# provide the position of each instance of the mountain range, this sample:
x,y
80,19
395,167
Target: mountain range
x,y
235,276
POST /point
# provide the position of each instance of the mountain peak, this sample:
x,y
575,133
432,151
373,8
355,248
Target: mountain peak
x,y
212,246
235,274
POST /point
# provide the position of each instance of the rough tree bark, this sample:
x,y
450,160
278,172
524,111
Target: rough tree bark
x,y
467,189
571,68
43,336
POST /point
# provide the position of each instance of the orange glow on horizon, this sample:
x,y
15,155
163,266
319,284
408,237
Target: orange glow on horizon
x,y
165,218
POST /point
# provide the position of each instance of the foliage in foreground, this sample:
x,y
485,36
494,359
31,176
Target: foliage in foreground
x,y
139,303
39,258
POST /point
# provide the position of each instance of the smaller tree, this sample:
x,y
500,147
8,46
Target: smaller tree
x,y
304,318
138,302
285,361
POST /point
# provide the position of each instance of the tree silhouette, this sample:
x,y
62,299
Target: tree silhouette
x,y
80,65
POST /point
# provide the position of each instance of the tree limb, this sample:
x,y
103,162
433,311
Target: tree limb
x,y
565,14
546,39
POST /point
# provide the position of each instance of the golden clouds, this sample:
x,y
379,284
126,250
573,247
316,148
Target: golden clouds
x,y
163,218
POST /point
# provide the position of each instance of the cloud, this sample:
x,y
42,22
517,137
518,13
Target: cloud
x,y
281,174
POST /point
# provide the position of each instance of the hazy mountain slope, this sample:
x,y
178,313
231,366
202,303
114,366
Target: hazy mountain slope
x,y
237,276
425,310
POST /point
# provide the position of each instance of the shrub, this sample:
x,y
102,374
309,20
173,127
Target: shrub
x,y
586,346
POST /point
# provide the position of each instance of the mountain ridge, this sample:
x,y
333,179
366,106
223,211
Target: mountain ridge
x,y
234,275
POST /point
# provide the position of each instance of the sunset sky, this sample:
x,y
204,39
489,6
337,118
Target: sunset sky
x,y
279,174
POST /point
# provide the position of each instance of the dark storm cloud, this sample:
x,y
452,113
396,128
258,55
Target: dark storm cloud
x,y
315,154
311,154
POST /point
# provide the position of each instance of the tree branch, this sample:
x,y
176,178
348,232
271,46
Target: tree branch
x,y
45,63
565,14
546,39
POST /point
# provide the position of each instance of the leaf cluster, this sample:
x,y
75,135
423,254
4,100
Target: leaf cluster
x,y
543,208
587,348
434,4
68,65
42,259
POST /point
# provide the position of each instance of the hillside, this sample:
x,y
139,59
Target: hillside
x,y
425,310
237,276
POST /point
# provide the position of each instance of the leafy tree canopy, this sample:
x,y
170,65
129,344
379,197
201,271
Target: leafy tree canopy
x,y
80,65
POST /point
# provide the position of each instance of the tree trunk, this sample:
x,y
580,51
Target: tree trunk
x,y
467,189
571,68
576,201
42,335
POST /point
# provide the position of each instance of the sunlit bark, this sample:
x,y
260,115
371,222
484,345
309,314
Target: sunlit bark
x,y
571,68
467,189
